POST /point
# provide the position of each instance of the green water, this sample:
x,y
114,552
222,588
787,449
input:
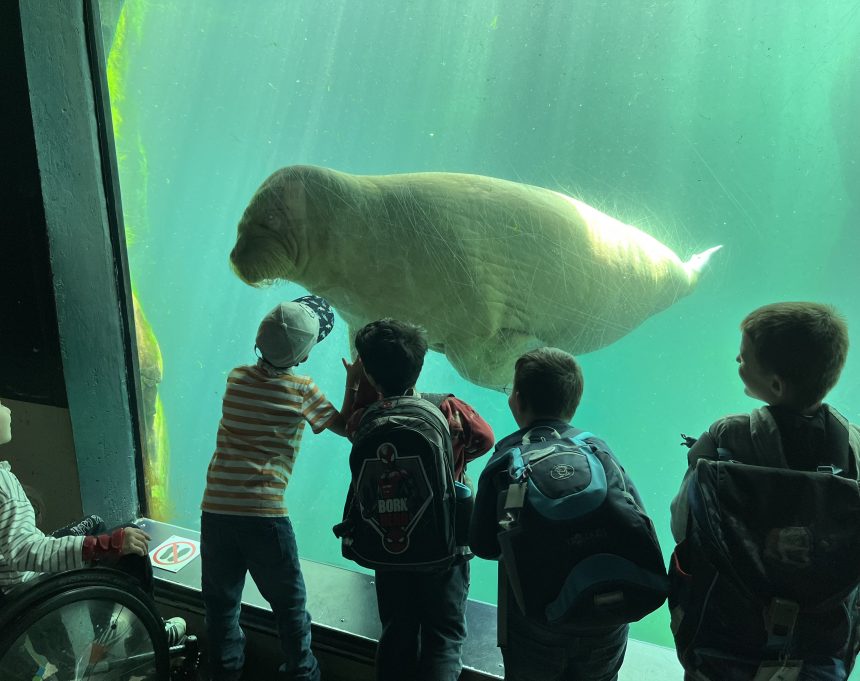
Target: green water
x,y
702,122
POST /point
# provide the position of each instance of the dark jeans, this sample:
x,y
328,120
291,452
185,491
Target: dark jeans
x,y
230,546
536,653
716,666
423,619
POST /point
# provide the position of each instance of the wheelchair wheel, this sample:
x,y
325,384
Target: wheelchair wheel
x,y
92,624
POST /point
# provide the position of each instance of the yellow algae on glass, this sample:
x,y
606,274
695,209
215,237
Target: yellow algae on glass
x,y
130,151
117,63
133,172
156,467
156,449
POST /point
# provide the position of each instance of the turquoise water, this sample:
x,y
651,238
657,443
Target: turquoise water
x,y
700,122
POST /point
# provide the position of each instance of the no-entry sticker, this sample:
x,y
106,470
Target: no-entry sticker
x,y
174,553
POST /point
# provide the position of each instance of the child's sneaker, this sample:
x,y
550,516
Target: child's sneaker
x,y
175,630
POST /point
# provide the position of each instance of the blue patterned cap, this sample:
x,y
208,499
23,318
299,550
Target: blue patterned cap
x,y
321,308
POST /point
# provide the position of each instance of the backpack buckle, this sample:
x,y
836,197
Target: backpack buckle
x,y
516,496
779,621
514,501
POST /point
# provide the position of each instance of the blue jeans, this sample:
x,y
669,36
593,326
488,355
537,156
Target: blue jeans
x,y
230,546
537,653
423,619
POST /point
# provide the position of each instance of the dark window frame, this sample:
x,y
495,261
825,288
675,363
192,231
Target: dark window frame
x,y
113,199
87,267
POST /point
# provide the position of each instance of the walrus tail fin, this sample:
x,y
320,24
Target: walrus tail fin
x,y
696,264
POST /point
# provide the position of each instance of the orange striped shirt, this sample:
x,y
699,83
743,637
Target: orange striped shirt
x,y
258,440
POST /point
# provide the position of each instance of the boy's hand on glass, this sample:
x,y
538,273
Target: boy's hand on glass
x,y
354,373
135,540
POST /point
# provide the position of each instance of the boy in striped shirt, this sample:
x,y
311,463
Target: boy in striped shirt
x,y
245,525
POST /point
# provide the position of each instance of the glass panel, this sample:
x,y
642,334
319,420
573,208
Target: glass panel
x,y
92,640
701,123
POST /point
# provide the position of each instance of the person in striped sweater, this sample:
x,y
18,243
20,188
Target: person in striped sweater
x,y
245,526
25,551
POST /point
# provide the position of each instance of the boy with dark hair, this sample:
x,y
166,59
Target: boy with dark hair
x,y
791,356
546,392
392,354
423,614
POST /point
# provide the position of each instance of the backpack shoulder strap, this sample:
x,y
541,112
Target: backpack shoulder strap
x,y
368,409
853,439
846,439
436,399
853,434
578,436
766,440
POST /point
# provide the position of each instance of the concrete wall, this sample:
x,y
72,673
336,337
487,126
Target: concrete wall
x,y
66,337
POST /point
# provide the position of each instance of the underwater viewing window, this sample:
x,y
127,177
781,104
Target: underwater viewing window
x,y
669,127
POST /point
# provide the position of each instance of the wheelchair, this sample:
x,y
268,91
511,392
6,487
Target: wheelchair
x,y
91,624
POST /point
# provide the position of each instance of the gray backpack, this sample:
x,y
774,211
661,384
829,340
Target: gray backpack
x,y
401,508
770,566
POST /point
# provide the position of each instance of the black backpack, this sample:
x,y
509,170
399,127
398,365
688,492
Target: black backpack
x,y
576,546
770,567
401,507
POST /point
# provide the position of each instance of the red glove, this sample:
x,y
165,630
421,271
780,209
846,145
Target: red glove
x,y
104,547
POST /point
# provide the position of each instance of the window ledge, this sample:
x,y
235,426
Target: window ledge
x,y
342,604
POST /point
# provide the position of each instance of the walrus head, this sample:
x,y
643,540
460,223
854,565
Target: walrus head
x,y
271,240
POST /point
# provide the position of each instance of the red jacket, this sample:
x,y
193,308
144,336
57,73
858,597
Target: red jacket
x,y
470,434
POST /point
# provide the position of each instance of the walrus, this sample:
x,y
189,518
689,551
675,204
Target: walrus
x,y
489,267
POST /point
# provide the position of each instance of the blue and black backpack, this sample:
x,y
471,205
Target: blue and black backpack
x,y
577,547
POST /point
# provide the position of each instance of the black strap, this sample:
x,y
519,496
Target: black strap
x,y
502,608
836,443
509,562
835,457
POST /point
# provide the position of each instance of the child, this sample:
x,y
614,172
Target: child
x,y
791,356
25,551
423,615
546,391
245,525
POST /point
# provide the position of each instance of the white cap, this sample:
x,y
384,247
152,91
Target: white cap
x,y
287,334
